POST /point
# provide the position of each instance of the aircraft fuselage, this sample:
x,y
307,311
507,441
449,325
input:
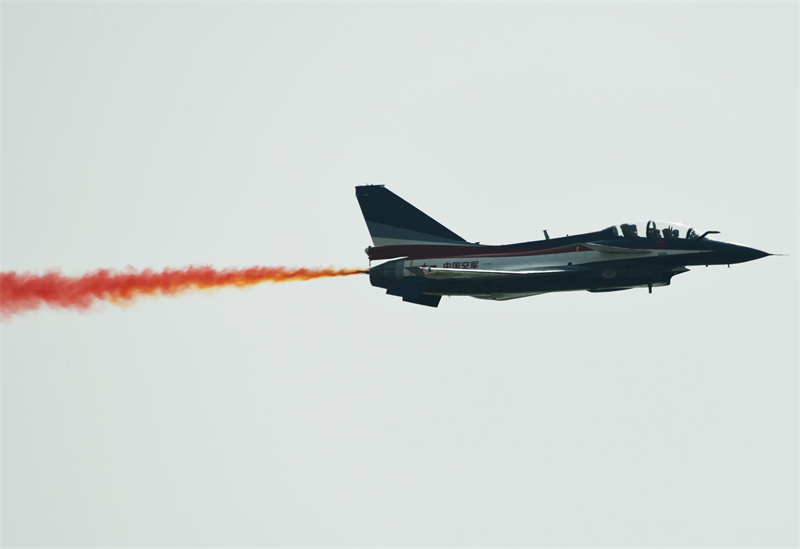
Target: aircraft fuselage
x,y
580,262
421,260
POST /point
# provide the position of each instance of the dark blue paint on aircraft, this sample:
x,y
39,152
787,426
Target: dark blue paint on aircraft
x,y
423,260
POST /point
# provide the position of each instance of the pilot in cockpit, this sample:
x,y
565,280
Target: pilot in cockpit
x,y
669,232
629,230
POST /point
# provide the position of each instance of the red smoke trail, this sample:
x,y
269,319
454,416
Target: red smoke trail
x,y
21,292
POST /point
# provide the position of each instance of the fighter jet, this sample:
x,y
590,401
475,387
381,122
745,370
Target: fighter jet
x,y
421,260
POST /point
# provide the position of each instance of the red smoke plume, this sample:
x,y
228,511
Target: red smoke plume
x,y
20,292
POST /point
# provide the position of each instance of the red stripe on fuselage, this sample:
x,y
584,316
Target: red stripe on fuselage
x,y
431,251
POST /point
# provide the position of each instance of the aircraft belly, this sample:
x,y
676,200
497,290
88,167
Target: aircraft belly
x,y
495,263
522,275
574,258
512,285
505,297
601,276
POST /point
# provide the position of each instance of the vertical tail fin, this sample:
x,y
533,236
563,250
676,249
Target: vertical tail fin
x,y
391,220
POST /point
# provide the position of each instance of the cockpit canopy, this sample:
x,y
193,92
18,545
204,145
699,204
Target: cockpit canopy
x,y
656,229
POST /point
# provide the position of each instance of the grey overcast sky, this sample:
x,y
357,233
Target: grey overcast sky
x,y
326,413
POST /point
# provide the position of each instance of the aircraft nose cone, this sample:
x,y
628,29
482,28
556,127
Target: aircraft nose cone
x,y
752,253
742,253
